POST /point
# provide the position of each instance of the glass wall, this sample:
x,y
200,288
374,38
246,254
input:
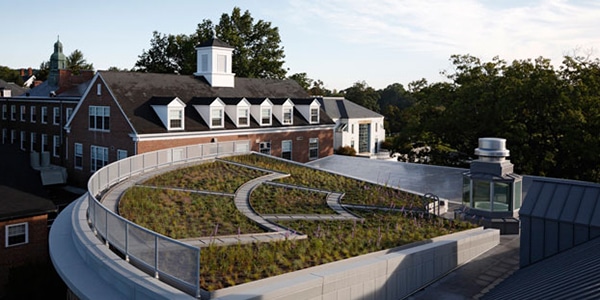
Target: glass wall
x,y
481,194
502,196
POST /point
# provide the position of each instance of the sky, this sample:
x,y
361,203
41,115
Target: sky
x,y
340,42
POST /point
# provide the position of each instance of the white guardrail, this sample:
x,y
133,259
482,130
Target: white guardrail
x,y
171,261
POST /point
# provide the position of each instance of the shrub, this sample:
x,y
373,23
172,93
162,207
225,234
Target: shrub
x,y
346,150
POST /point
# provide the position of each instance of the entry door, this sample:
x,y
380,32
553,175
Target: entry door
x,y
364,137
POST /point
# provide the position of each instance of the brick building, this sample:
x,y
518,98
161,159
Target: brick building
x,y
85,121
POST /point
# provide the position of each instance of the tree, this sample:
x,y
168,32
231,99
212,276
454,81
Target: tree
x,y
76,62
302,79
362,94
42,74
257,52
10,75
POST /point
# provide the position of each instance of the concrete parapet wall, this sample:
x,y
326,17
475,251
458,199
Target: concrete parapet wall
x,y
388,274
91,270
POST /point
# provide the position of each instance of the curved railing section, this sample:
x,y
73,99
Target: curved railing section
x,y
171,261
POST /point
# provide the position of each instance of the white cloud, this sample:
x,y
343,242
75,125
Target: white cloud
x,y
546,28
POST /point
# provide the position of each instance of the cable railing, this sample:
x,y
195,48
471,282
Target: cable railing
x,y
171,261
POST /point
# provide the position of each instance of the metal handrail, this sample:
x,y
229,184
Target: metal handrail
x,y
142,247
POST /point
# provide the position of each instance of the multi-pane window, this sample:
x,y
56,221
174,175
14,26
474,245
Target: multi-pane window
x,y
243,117
265,148
32,142
265,116
287,115
16,234
69,113
56,115
78,156
44,114
4,112
286,149
23,140
175,119
56,146
32,114
216,117
4,135
99,118
99,156
13,136
313,148
23,113
121,154
314,115
44,142
13,112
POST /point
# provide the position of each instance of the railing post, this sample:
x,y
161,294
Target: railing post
x,y
126,241
156,256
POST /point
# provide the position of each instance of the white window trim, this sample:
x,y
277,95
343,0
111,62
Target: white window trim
x,y
4,111
55,146
44,142
56,115
32,141
13,113
291,148
32,114
93,166
23,140
212,117
6,234
311,141
23,113
44,115
283,111
317,115
121,154
262,117
76,154
240,115
181,118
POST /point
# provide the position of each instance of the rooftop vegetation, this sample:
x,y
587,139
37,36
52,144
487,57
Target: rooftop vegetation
x,y
186,214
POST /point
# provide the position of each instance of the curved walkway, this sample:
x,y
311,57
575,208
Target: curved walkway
x,y
242,202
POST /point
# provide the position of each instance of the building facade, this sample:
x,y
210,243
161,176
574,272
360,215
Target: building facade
x,y
355,125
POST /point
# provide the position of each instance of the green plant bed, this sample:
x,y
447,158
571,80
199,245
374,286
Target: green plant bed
x,y
356,191
211,176
180,215
270,199
327,241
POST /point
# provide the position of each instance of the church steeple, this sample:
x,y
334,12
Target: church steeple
x,y
58,61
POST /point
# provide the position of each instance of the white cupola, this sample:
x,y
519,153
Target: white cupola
x,y
214,63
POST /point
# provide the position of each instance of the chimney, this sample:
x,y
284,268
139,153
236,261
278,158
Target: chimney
x,y
29,71
4,92
22,72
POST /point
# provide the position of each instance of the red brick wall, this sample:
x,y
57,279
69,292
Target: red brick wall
x,y
300,140
116,139
33,252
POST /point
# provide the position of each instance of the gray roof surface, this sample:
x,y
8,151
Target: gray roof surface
x,y
563,201
340,108
572,274
21,191
15,90
214,42
135,92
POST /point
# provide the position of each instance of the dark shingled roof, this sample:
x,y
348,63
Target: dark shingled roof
x,y
340,108
136,92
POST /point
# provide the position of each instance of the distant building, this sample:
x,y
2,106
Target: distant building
x,y
23,230
355,125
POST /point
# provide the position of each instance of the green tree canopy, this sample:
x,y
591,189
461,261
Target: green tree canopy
x,y
257,52
76,62
362,94
9,75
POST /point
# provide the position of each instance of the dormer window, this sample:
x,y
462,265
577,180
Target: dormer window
x,y
287,115
216,117
314,115
176,118
243,115
170,111
265,116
